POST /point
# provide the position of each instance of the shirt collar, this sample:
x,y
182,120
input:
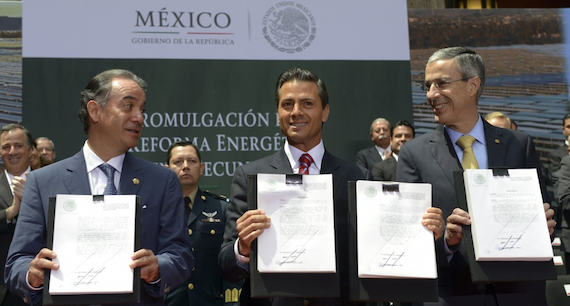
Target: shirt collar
x,y
478,132
10,177
382,150
192,196
293,154
93,161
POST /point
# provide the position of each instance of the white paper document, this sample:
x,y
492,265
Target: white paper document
x,y
507,216
301,236
391,241
94,241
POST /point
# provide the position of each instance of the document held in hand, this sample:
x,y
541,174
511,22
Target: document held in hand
x,y
301,237
94,241
391,241
508,222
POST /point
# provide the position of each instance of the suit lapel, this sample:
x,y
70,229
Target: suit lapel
x,y
197,208
330,166
75,179
496,144
131,176
5,192
374,155
444,155
280,162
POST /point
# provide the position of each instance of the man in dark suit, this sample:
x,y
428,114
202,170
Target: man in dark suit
x,y
554,157
302,108
563,192
206,215
454,80
385,170
112,106
380,135
16,145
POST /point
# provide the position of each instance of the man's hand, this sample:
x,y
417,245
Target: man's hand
x,y
18,184
433,220
149,265
454,230
38,264
249,226
549,218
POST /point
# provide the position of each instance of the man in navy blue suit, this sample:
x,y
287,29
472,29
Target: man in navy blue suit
x,y
112,106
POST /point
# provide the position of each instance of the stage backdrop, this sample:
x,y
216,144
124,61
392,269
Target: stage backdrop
x,y
212,67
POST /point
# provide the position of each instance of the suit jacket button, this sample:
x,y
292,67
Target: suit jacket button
x,y
190,286
213,232
190,231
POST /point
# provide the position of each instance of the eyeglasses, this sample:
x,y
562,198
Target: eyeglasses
x,y
440,84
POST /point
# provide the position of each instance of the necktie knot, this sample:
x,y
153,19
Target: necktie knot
x,y
469,161
305,162
109,171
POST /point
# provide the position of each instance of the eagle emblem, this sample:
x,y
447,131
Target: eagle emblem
x,y
210,216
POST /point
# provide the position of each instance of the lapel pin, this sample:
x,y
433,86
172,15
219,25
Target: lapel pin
x,y
136,181
497,141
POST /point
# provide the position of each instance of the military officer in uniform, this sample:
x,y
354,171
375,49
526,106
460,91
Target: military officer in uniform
x,y
205,213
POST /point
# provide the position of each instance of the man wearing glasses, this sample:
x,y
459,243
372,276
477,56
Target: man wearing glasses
x,y
454,80
47,150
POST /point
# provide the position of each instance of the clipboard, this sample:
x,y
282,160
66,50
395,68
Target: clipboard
x,y
315,285
78,299
498,271
382,289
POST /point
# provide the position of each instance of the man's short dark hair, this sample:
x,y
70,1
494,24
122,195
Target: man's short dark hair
x,y
12,126
182,143
404,123
299,74
99,89
564,119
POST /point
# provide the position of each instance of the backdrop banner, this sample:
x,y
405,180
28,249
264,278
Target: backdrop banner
x,y
212,68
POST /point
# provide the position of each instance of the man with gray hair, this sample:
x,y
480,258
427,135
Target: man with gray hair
x,y
454,80
47,150
380,135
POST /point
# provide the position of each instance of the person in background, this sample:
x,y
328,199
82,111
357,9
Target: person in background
x,y
206,219
35,159
554,157
499,119
385,170
47,150
380,136
16,144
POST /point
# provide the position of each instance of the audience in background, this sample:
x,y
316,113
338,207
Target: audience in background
x,y
380,136
385,170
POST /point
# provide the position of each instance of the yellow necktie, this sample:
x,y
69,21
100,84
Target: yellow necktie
x,y
466,143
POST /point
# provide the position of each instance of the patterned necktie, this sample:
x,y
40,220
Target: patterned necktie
x,y
466,143
305,162
110,189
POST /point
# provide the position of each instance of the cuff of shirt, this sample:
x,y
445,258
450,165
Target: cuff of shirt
x,y
450,250
241,261
30,286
